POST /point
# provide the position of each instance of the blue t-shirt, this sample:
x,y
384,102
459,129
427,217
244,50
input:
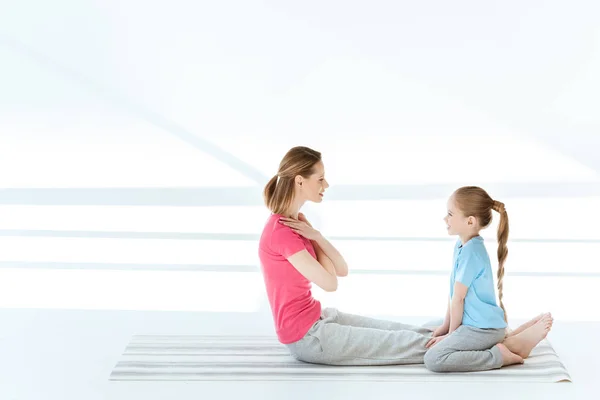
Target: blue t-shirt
x,y
473,269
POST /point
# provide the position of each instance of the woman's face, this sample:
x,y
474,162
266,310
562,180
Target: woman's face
x,y
314,186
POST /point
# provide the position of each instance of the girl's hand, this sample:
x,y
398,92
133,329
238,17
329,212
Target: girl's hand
x,y
440,330
302,228
435,341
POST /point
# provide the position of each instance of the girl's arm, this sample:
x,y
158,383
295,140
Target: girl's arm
x,y
443,329
457,306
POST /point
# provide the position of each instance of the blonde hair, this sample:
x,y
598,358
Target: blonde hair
x,y
474,201
279,191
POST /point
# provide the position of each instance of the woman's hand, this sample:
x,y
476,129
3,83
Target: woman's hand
x,y
301,227
302,217
435,341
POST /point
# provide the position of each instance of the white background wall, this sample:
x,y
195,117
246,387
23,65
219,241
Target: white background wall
x,y
136,137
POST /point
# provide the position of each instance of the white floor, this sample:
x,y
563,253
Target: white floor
x,y
69,354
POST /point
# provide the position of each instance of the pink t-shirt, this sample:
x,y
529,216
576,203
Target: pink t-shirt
x,y
294,308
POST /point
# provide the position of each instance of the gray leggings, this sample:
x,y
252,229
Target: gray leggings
x,y
345,339
466,349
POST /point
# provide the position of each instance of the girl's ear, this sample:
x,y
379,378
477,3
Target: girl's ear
x,y
471,220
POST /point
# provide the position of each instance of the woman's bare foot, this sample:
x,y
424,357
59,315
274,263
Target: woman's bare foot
x,y
522,343
508,357
528,324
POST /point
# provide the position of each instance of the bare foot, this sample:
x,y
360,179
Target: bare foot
x,y
508,357
524,342
528,324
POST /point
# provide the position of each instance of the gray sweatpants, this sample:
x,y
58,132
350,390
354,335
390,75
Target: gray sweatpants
x,y
345,339
466,349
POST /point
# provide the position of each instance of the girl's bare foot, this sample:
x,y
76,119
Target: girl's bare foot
x,y
508,357
522,343
528,324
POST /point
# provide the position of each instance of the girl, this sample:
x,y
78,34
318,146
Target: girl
x,y
293,255
470,339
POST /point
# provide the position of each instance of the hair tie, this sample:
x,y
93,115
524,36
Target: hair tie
x,y
498,206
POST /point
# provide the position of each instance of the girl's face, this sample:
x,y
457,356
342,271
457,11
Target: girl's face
x,y
456,222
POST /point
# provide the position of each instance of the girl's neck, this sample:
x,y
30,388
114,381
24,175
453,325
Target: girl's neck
x,y
468,236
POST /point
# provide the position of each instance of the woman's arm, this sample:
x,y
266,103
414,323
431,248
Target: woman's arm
x,y
323,259
304,228
321,275
333,255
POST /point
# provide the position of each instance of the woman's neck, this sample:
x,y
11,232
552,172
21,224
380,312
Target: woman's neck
x,y
294,209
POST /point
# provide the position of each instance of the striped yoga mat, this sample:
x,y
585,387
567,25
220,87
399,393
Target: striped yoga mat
x,y
263,358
